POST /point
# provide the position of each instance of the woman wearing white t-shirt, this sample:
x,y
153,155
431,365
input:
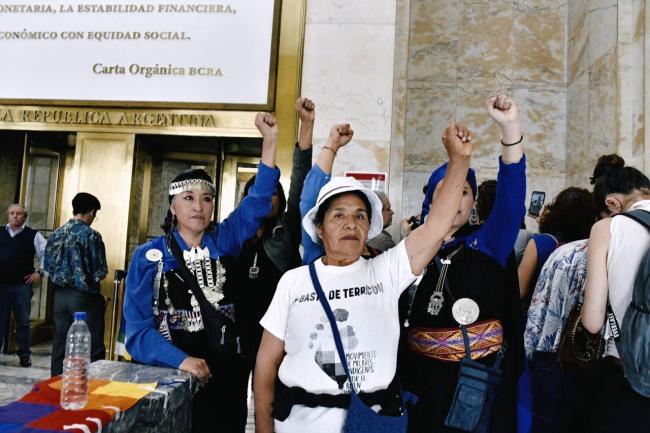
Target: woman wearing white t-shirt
x,y
616,247
298,349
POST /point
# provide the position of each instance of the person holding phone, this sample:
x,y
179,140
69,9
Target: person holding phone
x,y
536,202
568,218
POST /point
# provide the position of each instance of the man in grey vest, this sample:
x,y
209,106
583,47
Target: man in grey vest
x,y
18,244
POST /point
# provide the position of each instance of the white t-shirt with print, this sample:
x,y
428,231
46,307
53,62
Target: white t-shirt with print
x,y
363,297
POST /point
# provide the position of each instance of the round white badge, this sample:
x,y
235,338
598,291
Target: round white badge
x,y
154,255
465,311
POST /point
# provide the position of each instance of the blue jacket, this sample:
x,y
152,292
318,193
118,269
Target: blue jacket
x,y
315,180
497,236
143,341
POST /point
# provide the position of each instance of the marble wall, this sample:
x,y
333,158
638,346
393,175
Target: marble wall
x,y
397,70
348,72
460,52
606,74
591,74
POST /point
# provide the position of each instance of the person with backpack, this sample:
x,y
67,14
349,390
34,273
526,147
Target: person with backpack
x,y
617,246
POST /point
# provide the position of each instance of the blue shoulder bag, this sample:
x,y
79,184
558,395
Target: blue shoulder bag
x,y
360,418
477,386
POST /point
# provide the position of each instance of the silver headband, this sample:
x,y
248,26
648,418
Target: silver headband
x,y
189,184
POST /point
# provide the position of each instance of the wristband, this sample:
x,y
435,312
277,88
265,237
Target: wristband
x,y
512,144
330,149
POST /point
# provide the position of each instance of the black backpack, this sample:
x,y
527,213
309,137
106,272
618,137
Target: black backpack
x,y
633,344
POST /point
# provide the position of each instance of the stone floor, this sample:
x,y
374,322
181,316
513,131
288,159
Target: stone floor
x,y
16,381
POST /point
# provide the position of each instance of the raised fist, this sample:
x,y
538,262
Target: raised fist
x,y
457,140
340,135
306,109
266,124
503,109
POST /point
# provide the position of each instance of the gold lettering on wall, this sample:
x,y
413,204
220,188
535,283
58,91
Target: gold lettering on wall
x,y
154,119
5,116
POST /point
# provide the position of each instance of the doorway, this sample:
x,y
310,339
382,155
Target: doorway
x,y
230,161
32,171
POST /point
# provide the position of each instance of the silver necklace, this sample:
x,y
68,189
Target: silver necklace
x,y
437,298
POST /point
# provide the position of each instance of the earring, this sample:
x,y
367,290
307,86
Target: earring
x,y
473,216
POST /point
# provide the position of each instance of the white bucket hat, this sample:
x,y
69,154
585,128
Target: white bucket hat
x,y
338,185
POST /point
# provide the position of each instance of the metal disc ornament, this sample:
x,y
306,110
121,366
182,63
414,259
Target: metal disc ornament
x,y
465,311
153,255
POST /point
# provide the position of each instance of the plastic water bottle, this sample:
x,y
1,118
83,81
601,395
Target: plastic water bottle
x,y
74,390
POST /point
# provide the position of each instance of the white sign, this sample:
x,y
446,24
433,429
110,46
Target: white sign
x,y
371,180
206,52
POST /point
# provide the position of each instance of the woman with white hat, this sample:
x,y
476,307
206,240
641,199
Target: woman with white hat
x,y
297,348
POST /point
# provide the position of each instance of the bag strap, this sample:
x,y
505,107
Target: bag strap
x,y
639,215
332,320
190,280
468,352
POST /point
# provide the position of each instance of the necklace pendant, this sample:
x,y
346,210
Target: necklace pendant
x,y
406,323
214,296
194,303
435,303
253,272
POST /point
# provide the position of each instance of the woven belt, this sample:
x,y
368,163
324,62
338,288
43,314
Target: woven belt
x,y
446,344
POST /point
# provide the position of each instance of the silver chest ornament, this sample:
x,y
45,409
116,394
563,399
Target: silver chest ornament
x,y
435,303
437,298
465,311
198,262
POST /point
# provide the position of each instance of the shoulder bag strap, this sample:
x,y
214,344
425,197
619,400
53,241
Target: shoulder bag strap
x,y
332,320
190,280
639,215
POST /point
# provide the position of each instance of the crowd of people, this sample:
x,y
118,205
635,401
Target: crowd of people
x,y
465,324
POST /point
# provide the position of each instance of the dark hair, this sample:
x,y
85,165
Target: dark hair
x,y
268,223
323,208
487,193
619,180
83,203
191,173
605,164
570,215
279,191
